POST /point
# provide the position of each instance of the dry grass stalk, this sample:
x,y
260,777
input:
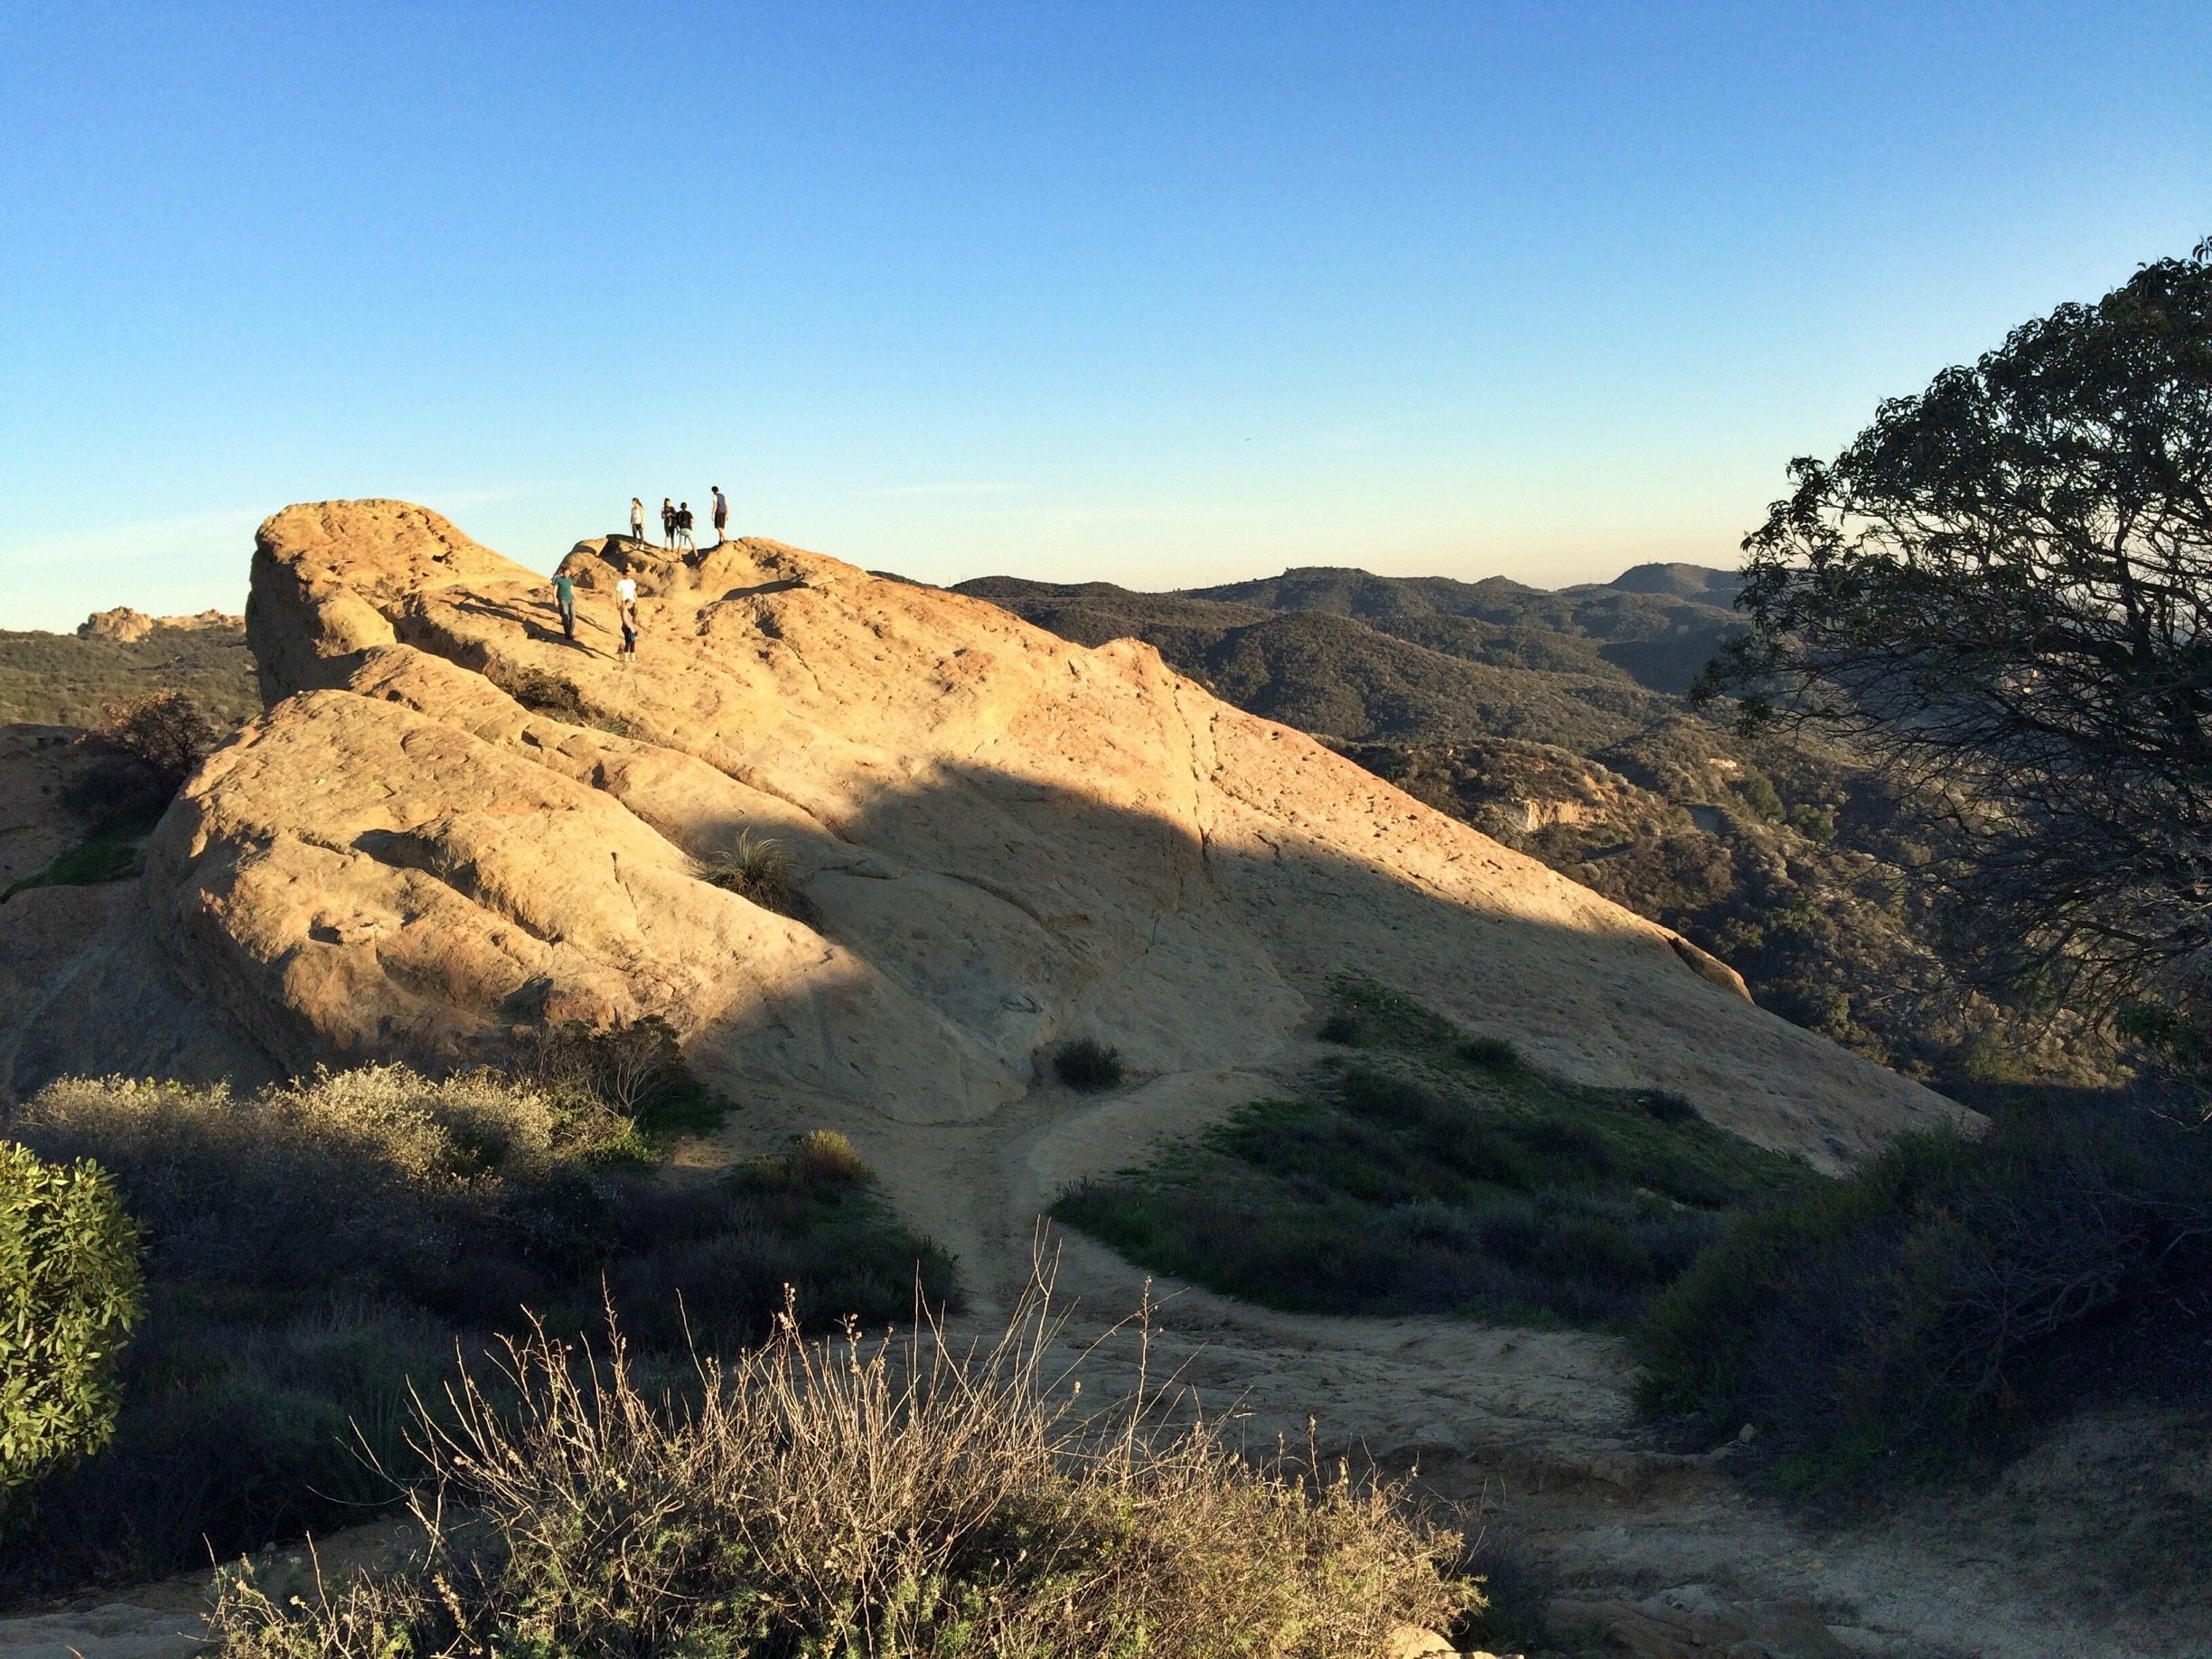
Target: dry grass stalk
x,y
850,1497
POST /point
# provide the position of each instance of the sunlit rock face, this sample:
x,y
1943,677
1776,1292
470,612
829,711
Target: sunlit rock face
x,y
452,824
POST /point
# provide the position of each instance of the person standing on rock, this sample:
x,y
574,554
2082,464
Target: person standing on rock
x,y
637,520
668,524
721,515
683,526
625,611
564,595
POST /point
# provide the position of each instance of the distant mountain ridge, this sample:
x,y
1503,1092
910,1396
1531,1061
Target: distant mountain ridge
x,y
1552,720
1424,659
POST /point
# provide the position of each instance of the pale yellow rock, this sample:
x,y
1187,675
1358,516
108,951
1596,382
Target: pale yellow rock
x,y
453,823
1417,1642
128,627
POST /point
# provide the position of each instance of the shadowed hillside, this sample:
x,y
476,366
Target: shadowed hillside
x,y
1548,720
1434,678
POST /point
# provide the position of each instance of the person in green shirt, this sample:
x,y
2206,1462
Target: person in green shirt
x,y
564,595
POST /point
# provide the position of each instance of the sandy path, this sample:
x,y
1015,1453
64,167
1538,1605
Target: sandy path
x,y
1534,1429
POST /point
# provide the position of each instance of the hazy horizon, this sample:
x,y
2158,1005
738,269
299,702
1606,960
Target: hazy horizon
x,y
1165,296
236,608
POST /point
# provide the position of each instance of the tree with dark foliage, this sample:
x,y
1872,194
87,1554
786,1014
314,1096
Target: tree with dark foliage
x,y
2003,587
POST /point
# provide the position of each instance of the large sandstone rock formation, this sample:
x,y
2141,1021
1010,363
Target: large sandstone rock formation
x,y
452,825
128,627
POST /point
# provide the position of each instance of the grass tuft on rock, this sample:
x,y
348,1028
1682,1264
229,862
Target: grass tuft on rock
x,y
759,869
859,1498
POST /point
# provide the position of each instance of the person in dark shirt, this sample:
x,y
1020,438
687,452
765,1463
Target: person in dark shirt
x,y
564,595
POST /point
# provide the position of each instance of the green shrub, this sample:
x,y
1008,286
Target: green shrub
x,y
1759,794
823,1157
635,1068
855,1499
1087,1063
1418,1181
1340,1028
1491,1054
1667,1106
69,1290
315,1248
1921,1308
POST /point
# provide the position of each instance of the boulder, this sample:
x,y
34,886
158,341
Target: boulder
x,y
128,627
122,624
452,825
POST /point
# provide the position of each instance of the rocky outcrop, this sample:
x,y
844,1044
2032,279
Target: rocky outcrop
x,y
128,627
451,824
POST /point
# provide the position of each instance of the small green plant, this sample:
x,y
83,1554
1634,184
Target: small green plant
x,y
1340,1028
823,1157
1667,1106
759,869
69,1292
1490,1053
1087,1063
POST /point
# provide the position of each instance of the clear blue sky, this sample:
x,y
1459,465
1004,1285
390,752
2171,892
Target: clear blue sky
x,y
1160,294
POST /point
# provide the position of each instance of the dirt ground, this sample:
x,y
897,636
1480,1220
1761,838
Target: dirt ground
x,y
2097,1542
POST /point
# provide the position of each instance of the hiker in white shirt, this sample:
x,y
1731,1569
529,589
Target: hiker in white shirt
x,y
625,610
637,520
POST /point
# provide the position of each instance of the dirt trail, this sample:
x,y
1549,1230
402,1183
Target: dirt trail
x,y
1535,1430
